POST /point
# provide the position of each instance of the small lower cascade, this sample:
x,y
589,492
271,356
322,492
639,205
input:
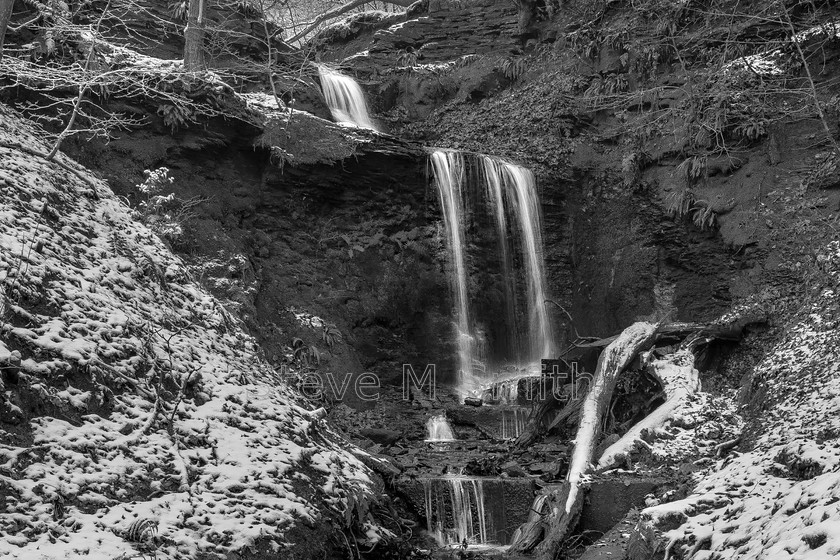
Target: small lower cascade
x,y
455,510
345,98
438,429
514,422
474,190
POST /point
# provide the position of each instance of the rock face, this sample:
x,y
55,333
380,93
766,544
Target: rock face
x,y
338,247
409,65
438,31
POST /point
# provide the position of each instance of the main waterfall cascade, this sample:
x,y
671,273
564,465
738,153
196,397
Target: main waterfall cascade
x,y
448,171
345,98
513,206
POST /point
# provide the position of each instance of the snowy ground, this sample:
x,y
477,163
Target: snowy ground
x,y
99,320
781,500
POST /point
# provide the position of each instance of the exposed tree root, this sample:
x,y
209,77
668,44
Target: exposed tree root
x,y
565,506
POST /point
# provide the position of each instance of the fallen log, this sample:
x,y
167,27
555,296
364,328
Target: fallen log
x,y
679,378
564,508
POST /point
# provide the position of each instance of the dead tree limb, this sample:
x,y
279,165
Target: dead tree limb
x,y
565,508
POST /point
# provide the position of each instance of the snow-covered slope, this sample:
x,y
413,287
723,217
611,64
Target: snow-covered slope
x,y
781,500
98,322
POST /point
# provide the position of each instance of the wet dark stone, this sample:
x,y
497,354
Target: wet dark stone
x,y
381,436
609,500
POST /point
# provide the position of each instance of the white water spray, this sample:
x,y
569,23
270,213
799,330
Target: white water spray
x,y
514,422
438,429
345,98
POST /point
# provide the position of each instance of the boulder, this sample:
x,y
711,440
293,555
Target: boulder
x,y
381,436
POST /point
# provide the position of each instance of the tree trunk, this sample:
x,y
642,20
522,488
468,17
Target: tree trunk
x,y
5,15
566,505
194,38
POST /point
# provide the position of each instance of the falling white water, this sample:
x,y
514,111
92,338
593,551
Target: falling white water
x,y
345,98
527,207
448,171
493,180
513,203
466,497
438,429
514,422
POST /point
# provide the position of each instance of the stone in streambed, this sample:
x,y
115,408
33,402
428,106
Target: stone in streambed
x,y
381,435
512,468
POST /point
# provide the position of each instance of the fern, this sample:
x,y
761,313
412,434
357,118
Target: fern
x,y
693,169
703,216
679,203
407,57
58,506
175,116
514,67
683,204
331,336
303,355
142,530
179,9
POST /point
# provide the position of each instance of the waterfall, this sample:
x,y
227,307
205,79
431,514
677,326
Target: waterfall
x,y
513,206
448,171
493,180
455,510
438,429
345,98
524,206
528,208
514,422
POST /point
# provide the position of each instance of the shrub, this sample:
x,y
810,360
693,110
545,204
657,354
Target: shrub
x,y
164,214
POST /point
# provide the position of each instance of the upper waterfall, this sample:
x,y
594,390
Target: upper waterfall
x,y
345,98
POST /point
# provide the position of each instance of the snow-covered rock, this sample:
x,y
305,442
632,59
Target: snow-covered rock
x,y
781,499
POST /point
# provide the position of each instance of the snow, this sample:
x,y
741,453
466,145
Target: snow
x,y
679,379
98,308
781,499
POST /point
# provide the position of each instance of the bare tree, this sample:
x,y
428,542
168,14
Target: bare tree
x,y
194,37
71,84
5,15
